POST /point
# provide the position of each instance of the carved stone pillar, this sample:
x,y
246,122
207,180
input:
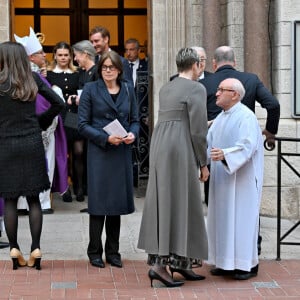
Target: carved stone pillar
x,y
167,36
257,42
211,29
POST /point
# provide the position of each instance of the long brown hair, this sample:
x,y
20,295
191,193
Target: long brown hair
x,y
16,78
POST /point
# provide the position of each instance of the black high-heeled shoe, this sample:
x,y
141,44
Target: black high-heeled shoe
x,y
153,275
17,258
35,259
188,275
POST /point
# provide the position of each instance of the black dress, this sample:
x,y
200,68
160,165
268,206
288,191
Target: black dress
x,y
69,84
23,169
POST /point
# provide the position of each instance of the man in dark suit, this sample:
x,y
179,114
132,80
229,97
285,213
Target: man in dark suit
x,y
100,38
141,146
132,50
223,64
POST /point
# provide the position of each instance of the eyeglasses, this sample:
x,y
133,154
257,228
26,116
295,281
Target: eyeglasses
x,y
222,90
202,59
111,68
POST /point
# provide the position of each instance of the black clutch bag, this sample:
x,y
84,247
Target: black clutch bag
x,y
71,120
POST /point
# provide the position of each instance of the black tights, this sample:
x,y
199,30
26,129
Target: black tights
x,y
35,221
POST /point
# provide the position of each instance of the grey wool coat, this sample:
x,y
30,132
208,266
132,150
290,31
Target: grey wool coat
x,y
173,220
109,167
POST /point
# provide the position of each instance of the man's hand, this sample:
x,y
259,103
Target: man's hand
x,y
216,154
270,139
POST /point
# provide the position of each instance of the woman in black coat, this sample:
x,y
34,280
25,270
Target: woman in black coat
x,y
23,169
109,157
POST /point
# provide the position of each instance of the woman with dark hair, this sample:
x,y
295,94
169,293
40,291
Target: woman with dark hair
x,y
23,169
109,157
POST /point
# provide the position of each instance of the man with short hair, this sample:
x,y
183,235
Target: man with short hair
x,y
235,149
202,63
100,38
132,50
224,66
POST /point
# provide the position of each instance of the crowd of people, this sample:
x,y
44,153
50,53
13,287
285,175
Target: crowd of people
x,y
206,130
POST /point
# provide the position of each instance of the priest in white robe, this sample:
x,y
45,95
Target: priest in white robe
x,y
235,149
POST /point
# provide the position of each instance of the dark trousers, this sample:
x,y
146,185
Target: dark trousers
x,y
112,230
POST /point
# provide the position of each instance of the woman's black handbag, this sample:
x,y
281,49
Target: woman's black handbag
x,y
71,120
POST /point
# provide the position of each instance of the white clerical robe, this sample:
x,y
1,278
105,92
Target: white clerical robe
x,y
235,189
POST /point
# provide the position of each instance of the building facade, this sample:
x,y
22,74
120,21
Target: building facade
x,y
262,34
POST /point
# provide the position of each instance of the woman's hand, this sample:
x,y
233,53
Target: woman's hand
x,y
115,140
129,139
73,99
204,173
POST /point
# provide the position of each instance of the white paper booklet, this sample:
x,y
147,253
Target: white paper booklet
x,y
115,128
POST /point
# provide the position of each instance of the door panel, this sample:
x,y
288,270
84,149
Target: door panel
x,y
71,20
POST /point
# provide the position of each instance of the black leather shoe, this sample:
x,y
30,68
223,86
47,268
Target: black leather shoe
x,y
4,245
67,196
243,275
47,211
115,261
221,272
97,262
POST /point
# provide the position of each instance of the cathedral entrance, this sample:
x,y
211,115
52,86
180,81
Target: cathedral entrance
x,y
71,20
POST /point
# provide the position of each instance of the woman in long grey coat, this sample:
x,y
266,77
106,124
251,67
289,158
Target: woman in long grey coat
x,y
173,230
109,157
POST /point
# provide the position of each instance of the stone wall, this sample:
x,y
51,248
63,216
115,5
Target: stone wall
x,y
255,32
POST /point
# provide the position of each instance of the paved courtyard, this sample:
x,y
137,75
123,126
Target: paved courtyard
x,y
67,274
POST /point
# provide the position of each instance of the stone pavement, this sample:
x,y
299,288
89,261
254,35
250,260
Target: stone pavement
x,y
67,274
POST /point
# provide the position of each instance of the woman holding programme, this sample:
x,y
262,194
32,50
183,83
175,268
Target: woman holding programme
x,y
173,230
23,169
109,157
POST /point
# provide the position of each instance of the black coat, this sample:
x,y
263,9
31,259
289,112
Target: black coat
x,y
110,179
23,169
255,91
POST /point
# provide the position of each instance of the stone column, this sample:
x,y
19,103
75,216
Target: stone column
x,y
4,20
212,21
235,29
257,46
194,23
167,36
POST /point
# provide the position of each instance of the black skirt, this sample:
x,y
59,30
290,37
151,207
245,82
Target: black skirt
x,y
23,166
